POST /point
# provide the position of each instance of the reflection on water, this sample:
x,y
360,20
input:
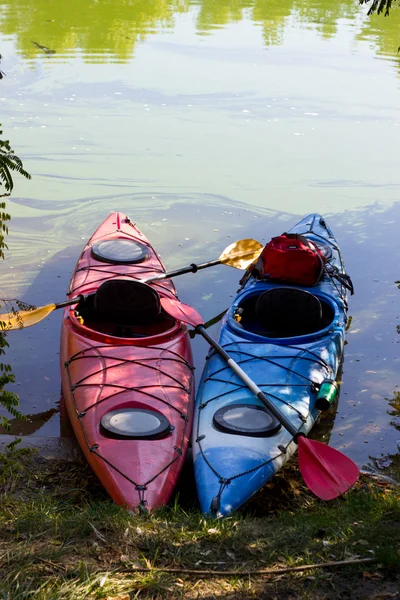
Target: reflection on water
x,y
273,16
279,125
384,33
102,31
109,31
389,463
33,423
216,121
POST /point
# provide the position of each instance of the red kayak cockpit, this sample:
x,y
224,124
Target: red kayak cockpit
x,y
123,308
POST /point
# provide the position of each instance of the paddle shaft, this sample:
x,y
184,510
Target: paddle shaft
x,y
326,471
70,301
193,268
250,384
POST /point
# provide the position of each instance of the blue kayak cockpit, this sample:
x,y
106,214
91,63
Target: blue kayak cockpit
x,y
283,312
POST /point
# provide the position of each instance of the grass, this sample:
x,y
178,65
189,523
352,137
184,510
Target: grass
x,y
61,538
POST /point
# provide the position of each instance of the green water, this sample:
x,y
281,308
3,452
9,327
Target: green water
x,y
206,122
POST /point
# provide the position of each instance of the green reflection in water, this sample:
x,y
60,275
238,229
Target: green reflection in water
x,y
114,28
326,15
214,14
384,31
97,28
322,15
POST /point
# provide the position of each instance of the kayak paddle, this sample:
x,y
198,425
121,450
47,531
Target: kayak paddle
x,y
238,255
27,318
327,472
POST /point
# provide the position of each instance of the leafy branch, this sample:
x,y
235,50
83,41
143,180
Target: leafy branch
x,y
378,6
10,163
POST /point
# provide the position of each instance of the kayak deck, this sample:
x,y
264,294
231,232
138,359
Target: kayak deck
x,y
233,463
133,374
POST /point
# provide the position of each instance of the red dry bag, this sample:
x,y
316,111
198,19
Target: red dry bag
x,y
291,258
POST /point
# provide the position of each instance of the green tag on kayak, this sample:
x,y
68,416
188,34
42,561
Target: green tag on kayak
x,y
326,394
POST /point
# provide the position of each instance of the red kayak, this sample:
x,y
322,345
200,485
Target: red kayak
x,y
127,367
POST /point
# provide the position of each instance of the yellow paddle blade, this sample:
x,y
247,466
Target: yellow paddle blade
x,y
24,318
241,254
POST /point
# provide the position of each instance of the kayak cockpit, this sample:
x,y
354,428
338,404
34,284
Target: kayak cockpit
x,y
87,315
124,308
283,312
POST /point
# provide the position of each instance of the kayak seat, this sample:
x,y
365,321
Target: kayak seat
x,y
285,312
127,302
124,308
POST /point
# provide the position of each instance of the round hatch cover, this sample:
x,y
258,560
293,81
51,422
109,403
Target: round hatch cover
x,y
120,250
246,419
135,424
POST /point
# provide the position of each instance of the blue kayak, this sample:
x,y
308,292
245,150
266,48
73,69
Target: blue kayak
x,y
238,445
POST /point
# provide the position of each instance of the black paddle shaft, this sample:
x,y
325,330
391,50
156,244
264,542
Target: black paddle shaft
x,y
70,301
193,268
250,383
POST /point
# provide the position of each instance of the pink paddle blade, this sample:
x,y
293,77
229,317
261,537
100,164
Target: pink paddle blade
x,y
181,312
326,471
